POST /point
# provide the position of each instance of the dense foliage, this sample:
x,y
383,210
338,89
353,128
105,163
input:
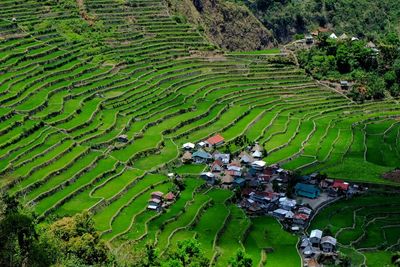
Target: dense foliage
x,y
363,18
373,70
70,241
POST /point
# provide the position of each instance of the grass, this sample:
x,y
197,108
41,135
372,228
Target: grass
x,y
267,233
366,221
64,102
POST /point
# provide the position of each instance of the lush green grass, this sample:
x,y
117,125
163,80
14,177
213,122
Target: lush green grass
x,y
66,97
367,221
267,233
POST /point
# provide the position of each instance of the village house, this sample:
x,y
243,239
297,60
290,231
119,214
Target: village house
x,y
201,144
227,181
239,182
188,146
217,166
306,190
309,39
280,213
338,187
344,85
201,157
215,141
257,155
300,219
123,138
287,203
170,197
245,158
333,36
224,158
328,244
209,177
315,237
305,210
187,157
155,203
258,165
234,169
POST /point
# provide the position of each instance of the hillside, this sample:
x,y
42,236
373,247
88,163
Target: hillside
x,y
97,98
362,18
228,24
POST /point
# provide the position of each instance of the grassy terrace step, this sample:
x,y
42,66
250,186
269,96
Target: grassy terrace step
x,y
52,202
265,233
149,229
232,235
211,220
66,96
104,215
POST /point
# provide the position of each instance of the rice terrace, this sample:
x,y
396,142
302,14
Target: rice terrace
x,y
101,100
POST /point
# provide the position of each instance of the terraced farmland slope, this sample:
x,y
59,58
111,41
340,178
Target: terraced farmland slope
x,y
74,78
367,227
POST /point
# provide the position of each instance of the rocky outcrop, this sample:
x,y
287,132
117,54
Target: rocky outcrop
x,y
229,25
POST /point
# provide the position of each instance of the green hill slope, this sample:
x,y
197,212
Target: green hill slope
x,y
75,78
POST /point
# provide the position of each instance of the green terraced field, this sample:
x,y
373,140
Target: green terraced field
x,y
366,226
68,90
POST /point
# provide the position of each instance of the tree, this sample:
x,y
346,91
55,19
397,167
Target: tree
x,y
342,59
188,254
241,259
20,244
76,237
396,258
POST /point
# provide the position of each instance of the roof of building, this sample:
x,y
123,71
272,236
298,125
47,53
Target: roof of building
x,y
287,202
152,207
170,196
257,154
157,193
217,162
227,179
208,174
301,216
124,136
281,211
340,184
202,154
256,147
306,190
155,200
329,239
370,44
215,139
234,168
201,143
245,157
187,155
316,233
239,180
259,163
188,146
289,215
305,210
333,36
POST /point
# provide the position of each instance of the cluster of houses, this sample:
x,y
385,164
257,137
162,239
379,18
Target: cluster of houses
x,y
256,180
158,200
316,244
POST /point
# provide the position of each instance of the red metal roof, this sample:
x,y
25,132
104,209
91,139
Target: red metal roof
x,y
215,139
170,196
340,185
301,216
